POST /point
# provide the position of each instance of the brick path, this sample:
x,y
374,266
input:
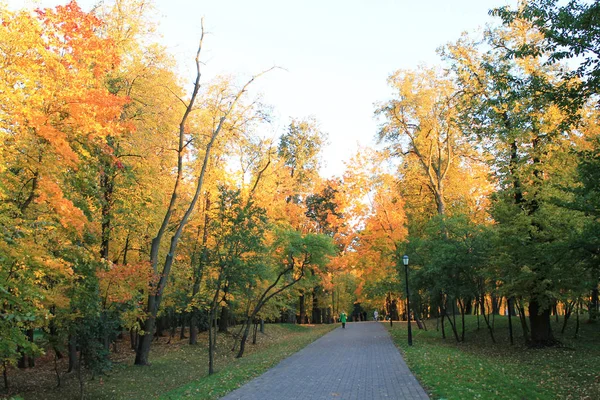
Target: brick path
x,y
356,363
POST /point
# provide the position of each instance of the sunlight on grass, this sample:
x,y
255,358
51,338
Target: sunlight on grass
x,y
479,369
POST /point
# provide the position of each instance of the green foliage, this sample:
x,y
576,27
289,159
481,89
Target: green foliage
x,y
320,207
299,147
87,321
571,30
17,309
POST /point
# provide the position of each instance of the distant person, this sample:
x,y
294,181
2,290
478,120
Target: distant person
x,y
375,315
343,318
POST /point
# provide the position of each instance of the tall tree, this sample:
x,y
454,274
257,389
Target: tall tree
x,y
220,117
506,107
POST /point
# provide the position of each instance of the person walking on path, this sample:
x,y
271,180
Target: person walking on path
x,y
375,315
343,318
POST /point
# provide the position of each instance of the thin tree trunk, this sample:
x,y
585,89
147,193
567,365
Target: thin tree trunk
x,y
212,329
523,320
5,375
133,338
443,313
183,320
594,305
173,330
72,353
454,320
461,305
452,325
58,382
477,313
244,338
487,319
568,311
255,331
198,272
80,377
510,327
302,307
578,305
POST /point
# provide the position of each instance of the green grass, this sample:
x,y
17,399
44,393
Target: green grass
x,y
479,369
179,370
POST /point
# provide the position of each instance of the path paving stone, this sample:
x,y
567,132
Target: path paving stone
x,y
356,363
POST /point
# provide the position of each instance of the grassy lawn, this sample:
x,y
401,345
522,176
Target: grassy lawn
x,y
178,370
479,369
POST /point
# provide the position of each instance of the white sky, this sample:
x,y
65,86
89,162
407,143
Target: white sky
x,y
337,53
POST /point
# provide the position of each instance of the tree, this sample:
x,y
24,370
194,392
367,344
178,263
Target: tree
x,y
421,126
293,254
54,65
220,113
505,106
570,31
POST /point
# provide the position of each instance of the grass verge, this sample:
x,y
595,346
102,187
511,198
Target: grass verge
x,y
480,369
177,369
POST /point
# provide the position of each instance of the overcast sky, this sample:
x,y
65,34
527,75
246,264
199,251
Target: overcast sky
x,y
337,53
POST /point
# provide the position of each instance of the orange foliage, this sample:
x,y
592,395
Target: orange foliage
x,y
120,283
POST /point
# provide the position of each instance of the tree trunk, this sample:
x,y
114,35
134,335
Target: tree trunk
x,y
194,327
302,307
510,308
316,311
126,249
159,326
198,272
173,322
80,377
133,338
56,372
594,308
254,332
541,330
461,306
244,338
182,332
443,314
486,318
72,353
107,187
523,320
568,311
145,341
5,375
211,348
577,307
478,314
452,323
496,304
224,319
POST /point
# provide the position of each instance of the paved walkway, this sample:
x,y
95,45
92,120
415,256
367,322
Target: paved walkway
x,y
356,363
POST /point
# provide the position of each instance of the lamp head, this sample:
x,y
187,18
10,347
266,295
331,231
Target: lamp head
x,y
405,259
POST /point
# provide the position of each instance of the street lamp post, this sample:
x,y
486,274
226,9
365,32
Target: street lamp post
x,y
405,261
